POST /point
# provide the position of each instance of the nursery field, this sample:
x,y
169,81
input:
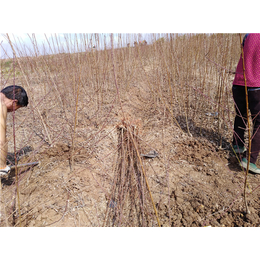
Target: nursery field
x,y
126,134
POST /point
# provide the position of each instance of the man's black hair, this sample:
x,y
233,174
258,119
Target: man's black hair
x,y
18,93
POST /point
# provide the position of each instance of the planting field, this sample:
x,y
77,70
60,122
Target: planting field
x,y
126,135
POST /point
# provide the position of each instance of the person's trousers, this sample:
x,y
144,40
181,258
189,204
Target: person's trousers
x,y
240,124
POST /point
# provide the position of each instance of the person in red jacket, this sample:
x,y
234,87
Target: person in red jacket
x,y
251,49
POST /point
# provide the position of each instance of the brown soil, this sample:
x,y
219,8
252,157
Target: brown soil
x,y
194,182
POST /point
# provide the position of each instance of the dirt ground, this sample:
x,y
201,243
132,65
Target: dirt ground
x,y
193,181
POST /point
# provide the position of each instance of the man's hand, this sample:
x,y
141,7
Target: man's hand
x,y
4,172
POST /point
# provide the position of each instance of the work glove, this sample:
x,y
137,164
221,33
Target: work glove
x,y
4,172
